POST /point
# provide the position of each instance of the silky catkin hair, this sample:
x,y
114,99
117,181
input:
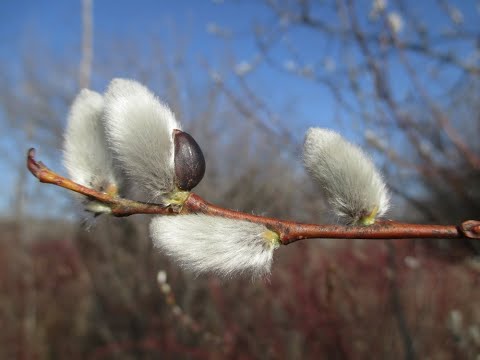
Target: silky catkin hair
x,y
352,185
203,243
86,155
140,129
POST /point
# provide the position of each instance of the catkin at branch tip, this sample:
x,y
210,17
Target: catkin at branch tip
x,y
209,244
86,155
139,129
354,188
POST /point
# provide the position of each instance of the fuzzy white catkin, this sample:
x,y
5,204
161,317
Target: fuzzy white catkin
x,y
203,243
352,185
86,155
140,129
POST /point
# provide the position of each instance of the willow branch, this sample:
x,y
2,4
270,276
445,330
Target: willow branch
x,y
119,206
288,231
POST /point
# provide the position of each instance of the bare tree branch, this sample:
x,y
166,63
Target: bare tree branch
x,y
288,231
87,44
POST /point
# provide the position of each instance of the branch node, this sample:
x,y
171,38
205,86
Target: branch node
x,y
471,229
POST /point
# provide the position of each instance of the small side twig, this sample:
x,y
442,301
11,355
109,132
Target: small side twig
x,y
184,319
288,231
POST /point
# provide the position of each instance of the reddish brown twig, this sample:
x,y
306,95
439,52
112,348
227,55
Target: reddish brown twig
x,y
119,206
289,231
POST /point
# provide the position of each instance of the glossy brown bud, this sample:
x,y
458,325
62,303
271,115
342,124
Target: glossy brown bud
x,y
189,161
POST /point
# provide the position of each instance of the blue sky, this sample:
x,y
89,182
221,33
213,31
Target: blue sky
x,y
56,25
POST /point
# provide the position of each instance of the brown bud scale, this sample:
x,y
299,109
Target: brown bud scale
x,y
189,161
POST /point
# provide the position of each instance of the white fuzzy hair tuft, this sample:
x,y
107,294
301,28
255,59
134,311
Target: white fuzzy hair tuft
x,y
203,243
86,155
352,185
140,129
